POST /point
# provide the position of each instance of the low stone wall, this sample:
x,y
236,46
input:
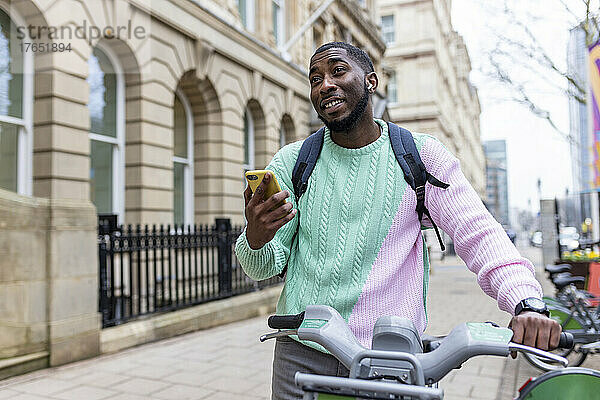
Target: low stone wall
x,y
191,319
48,282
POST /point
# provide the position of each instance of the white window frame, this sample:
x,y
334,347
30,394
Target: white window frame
x,y
279,30
25,123
188,170
249,122
118,167
393,29
250,15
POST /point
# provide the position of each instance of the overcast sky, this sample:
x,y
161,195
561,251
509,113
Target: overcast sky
x,y
534,149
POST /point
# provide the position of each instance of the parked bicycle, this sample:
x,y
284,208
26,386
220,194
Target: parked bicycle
x,y
404,365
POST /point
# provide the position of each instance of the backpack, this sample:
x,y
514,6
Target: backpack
x,y
406,153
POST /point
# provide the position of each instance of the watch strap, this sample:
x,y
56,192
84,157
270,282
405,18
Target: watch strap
x,y
524,306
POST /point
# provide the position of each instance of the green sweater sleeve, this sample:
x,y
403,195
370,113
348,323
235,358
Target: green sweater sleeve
x,y
270,259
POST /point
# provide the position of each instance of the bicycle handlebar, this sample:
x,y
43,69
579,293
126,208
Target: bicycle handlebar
x,y
325,326
566,341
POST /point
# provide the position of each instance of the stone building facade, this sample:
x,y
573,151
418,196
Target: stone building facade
x,y
429,90
157,125
148,109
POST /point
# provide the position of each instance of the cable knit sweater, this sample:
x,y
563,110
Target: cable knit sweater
x,y
360,247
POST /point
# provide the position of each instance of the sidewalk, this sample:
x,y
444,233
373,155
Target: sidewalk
x,y
229,362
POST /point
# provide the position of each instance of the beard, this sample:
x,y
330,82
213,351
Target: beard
x,y
350,121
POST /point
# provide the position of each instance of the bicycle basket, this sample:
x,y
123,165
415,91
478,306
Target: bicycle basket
x,y
563,384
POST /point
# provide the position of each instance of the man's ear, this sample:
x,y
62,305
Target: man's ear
x,y
372,82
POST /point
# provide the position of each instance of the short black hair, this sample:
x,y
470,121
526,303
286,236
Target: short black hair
x,y
358,55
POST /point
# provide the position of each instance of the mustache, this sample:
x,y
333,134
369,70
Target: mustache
x,y
351,120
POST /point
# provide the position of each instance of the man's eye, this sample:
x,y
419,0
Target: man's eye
x,y
337,70
314,79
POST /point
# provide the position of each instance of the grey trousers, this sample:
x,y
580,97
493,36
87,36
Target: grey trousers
x,y
290,357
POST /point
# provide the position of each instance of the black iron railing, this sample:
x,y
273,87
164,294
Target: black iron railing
x,y
156,269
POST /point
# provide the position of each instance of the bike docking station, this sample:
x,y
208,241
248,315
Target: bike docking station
x,y
404,365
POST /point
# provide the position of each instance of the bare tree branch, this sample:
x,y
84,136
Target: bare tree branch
x,y
520,96
512,55
575,89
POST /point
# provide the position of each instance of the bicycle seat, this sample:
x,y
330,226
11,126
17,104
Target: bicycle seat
x,y
562,281
561,275
556,269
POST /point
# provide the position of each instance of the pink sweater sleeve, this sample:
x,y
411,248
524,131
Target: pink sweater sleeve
x,y
478,238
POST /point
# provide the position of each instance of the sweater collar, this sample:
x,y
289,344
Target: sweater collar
x,y
329,143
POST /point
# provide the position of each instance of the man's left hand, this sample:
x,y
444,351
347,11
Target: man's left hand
x,y
535,330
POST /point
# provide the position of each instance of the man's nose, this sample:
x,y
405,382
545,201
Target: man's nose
x,y
327,85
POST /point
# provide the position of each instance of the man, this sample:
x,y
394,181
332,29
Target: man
x,y
359,245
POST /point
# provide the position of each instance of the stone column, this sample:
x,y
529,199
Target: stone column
x,y
23,286
72,281
48,282
149,157
61,164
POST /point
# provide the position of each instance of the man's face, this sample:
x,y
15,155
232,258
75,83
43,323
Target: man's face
x,y
337,89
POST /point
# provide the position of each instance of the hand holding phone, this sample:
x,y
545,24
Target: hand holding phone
x,y
266,210
256,177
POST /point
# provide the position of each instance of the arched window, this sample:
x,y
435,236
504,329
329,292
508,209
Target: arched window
x,y
248,141
183,161
107,125
16,106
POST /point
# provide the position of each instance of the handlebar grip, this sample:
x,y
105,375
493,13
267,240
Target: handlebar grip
x,y
566,340
286,321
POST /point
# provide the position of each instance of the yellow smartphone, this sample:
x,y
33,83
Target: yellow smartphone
x,y
254,179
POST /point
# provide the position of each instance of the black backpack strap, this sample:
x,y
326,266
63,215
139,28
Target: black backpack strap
x,y
305,163
415,174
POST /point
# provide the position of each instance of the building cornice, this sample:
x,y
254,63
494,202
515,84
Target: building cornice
x,y
197,10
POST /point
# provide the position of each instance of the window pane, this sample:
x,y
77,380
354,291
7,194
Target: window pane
x,y
392,89
8,156
387,29
11,69
101,176
178,192
242,9
180,129
282,139
276,20
103,94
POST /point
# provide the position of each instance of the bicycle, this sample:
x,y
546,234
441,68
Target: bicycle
x,y
404,365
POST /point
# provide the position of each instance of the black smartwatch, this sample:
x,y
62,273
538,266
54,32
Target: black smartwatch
x,y
532,304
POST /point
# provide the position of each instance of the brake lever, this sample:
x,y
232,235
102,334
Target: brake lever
x,y
277,334
526,349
